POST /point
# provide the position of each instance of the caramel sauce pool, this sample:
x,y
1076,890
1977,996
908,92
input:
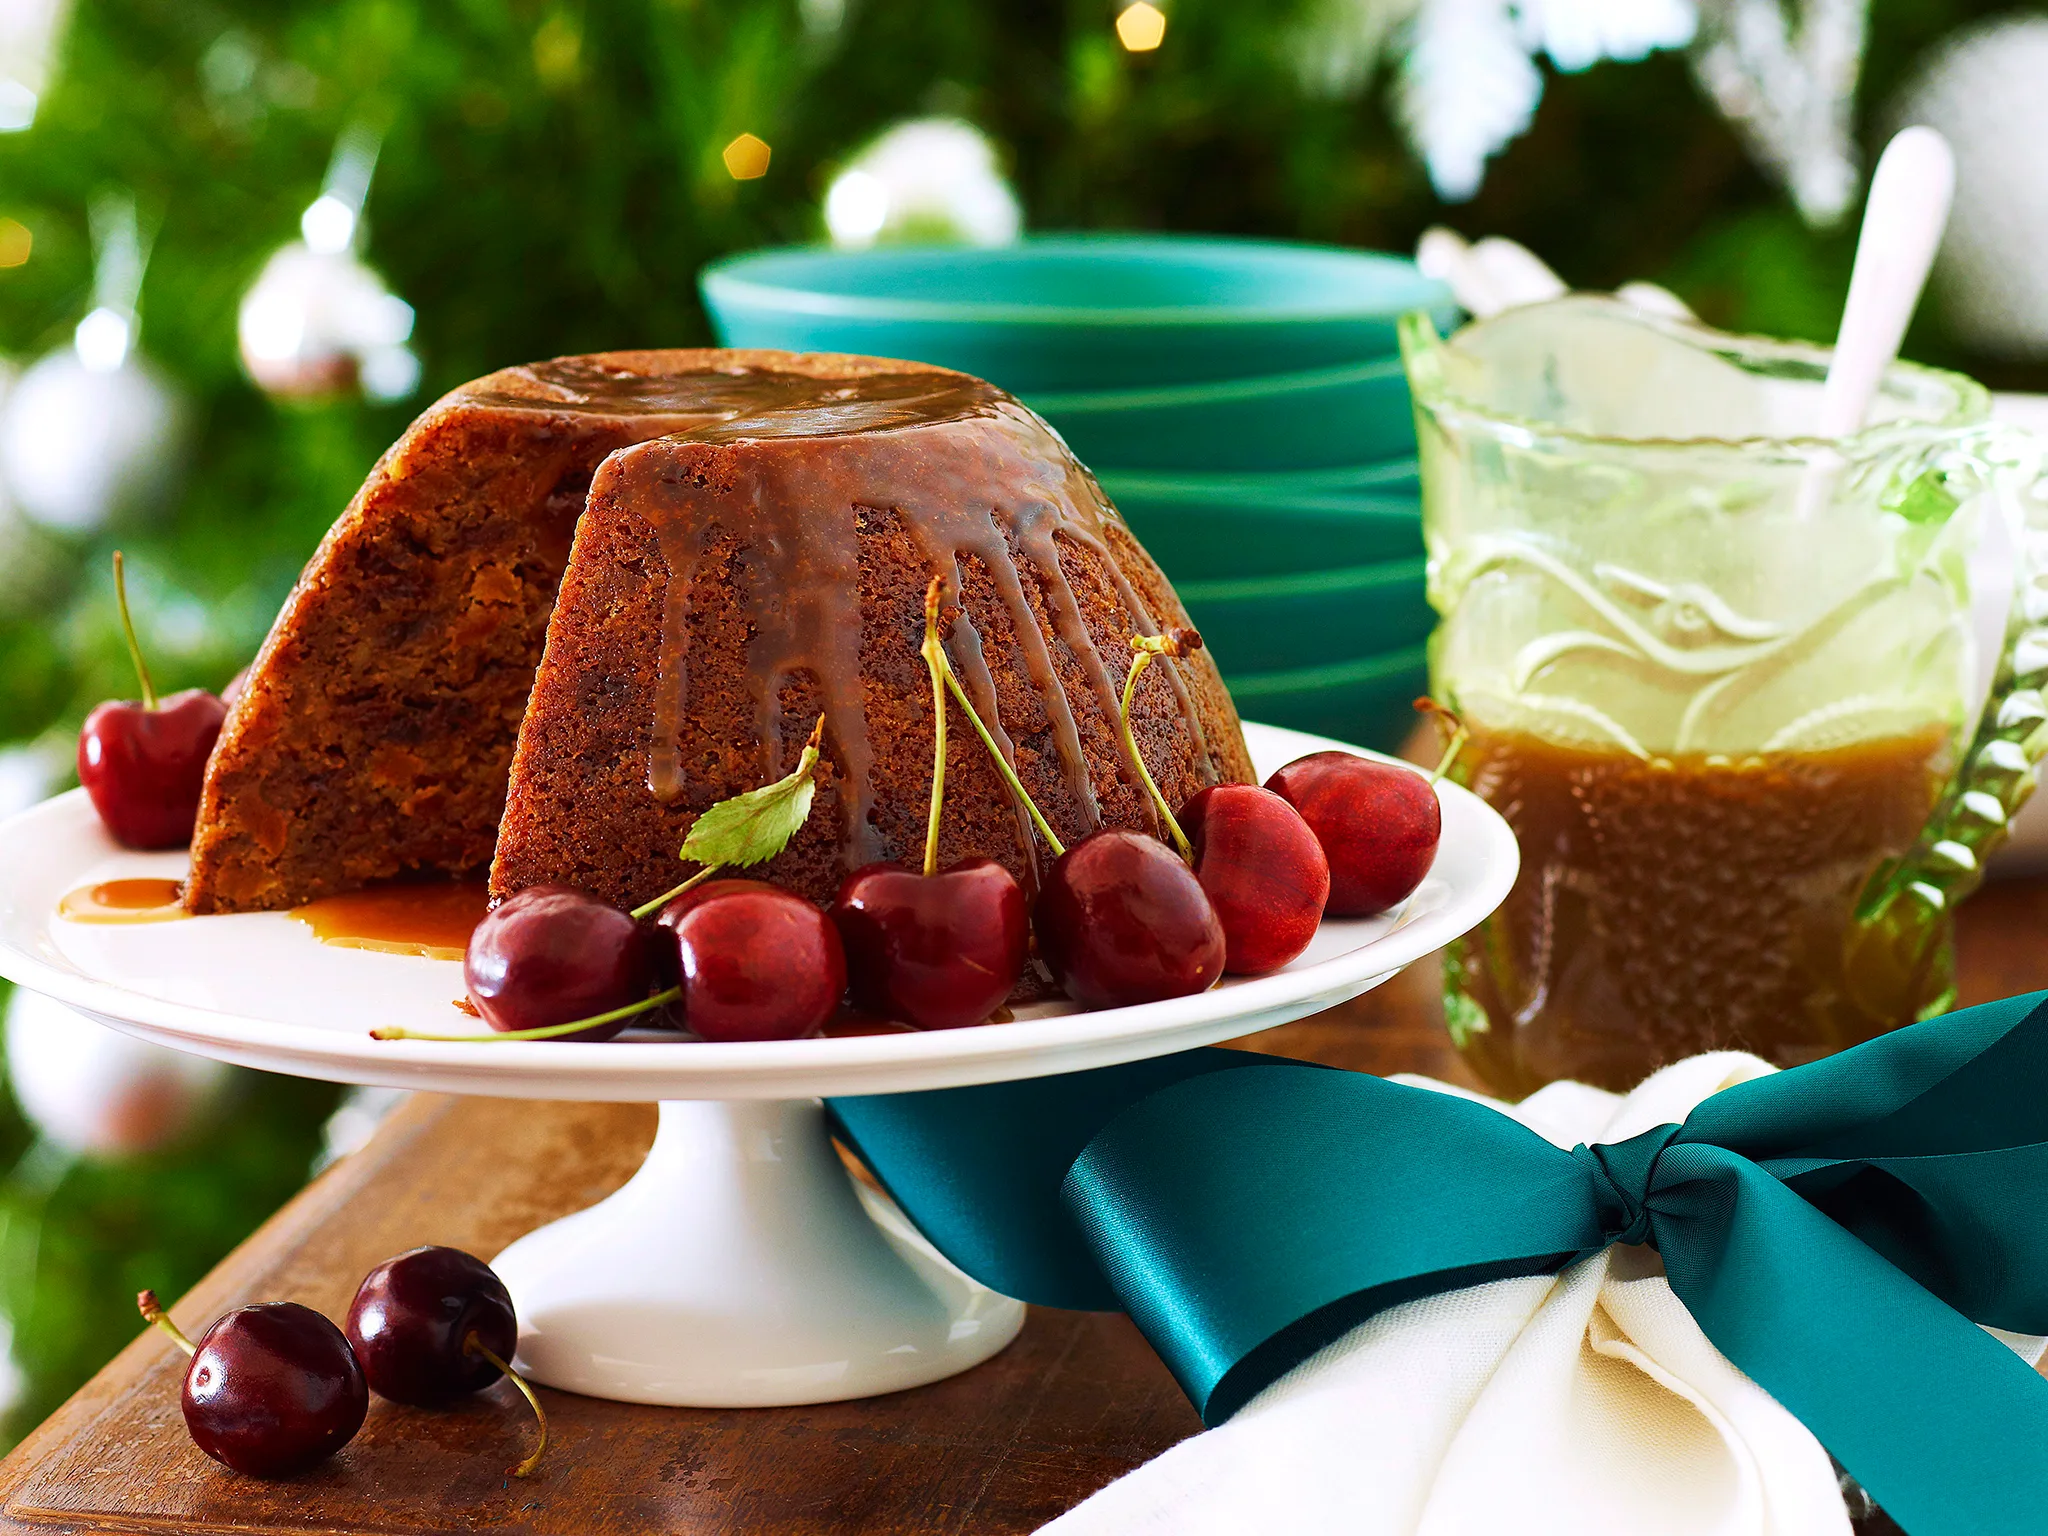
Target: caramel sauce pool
x,y
123,901
430,920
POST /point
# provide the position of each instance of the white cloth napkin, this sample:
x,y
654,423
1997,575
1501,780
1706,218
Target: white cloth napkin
x,y
1586,1403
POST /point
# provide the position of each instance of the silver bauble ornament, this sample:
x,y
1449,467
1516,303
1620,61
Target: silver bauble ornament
x,y
318,321
322,323
95,1091
90,432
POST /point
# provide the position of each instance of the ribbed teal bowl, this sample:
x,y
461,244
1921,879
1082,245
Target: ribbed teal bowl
x,y
1311,618
1369,701
1387,477
1228,540
1324,418
1077,312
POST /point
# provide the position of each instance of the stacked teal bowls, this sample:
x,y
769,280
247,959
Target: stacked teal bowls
x,y
1242,402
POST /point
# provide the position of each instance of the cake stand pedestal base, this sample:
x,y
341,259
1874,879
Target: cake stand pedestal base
x,y
742,1267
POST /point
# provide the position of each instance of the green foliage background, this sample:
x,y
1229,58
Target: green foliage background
x,y
550,183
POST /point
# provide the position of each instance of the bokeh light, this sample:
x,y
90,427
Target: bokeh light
x,y
746,158
1141,27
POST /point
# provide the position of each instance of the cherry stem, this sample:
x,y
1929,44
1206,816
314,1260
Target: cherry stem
x,y
1460,733
648,908
934,658
153,1313
475,1346
128,633
944,663
544,1032
1147,647
1452,748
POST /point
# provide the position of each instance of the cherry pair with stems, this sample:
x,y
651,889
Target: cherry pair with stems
x,y
275,1388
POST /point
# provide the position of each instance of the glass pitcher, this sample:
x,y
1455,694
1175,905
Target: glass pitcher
x,y
1722,680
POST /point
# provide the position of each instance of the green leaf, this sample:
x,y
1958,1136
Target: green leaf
x,y
756,825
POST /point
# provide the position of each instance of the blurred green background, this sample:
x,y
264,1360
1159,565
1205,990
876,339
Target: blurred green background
x,y
551,178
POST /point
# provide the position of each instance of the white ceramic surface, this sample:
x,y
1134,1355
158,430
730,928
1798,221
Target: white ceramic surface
x,y
740,1267
259,989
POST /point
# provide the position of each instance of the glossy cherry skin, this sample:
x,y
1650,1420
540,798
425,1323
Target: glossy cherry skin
x,y
1378,824
937,951
662,934
679,907
552,953
756,965
143,768
273,1389
413,1317
1121,919
1263,870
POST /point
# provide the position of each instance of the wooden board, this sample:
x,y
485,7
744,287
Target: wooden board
x,y
1075,1402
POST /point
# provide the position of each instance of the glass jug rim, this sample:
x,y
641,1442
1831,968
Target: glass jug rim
x,y
1421,341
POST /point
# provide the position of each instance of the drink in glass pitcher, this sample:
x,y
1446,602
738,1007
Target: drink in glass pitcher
x,y
1721,679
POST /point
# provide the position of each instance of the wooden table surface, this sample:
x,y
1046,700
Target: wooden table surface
x,y
1077,1400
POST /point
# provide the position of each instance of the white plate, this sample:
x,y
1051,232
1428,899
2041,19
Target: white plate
x,y
260,990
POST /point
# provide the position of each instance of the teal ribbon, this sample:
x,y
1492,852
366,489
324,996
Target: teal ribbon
x,y
1838,1230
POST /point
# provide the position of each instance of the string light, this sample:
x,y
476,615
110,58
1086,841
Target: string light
x,y
1141,26
746,158
15,242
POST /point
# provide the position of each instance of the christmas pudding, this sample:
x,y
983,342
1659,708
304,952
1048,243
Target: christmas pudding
x,y
580,602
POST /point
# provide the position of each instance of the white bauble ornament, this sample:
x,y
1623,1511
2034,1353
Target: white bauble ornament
x,y
1986,89
933,178
96,1091
90,431
322,323
318,321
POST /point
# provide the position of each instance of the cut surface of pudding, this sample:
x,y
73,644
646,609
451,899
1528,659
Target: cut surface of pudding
x,y
756,534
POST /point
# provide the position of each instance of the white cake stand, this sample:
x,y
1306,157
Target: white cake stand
x,y
740,1266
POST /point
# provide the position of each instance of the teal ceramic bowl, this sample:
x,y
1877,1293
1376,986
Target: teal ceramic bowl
x,y
1388,477
1311,618
1077,312
1196,541
1324,418
1370,701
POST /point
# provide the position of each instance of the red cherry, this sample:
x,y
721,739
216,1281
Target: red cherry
x,y
1263,870
436,1324
1122,920
144,767
551,954
273,1389
1378,824
664,941
413,1320
937,951
755,964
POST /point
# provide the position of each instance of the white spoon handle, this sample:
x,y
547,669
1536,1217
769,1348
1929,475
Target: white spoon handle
x,y
1902,224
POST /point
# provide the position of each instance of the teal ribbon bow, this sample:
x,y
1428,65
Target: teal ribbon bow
x,y
1838,1229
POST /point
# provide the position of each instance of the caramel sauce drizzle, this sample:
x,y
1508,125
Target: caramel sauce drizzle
x,y
800,576
432,920
124,901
